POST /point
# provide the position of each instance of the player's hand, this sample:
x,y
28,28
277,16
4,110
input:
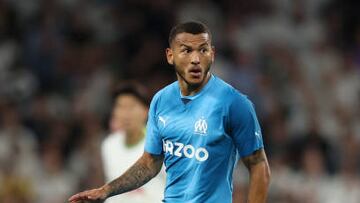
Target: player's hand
x,y
94,196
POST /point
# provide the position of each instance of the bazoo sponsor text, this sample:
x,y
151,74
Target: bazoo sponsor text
x,y
179,149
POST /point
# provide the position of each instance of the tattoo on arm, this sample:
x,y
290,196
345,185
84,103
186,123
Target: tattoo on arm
x,y
255,158
259,176
137,175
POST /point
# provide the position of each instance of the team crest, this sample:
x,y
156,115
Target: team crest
x,y
200,126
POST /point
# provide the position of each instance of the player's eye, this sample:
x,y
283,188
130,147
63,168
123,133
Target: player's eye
x,y
186,50
204,50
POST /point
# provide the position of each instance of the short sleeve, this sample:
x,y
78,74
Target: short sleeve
x,y
244,126
153,142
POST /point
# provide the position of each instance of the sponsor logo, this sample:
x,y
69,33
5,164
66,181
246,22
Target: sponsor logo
x,y
181,150
200,127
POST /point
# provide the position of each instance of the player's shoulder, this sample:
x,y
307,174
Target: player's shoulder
x,y
165,93
235,102
113,137
229,92
116,137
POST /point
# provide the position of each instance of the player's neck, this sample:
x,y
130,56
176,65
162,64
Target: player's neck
x,y
190,90
134,136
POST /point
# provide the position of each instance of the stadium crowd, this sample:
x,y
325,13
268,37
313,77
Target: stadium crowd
x,y
60,60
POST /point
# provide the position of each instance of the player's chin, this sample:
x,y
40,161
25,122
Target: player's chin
x,y
195,81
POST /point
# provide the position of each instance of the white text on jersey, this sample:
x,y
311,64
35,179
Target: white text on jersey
x,y
179,149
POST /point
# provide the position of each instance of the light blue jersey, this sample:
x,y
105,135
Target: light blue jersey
x,y
200,137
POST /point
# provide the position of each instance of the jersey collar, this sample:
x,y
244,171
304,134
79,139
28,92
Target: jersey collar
x,y
201,92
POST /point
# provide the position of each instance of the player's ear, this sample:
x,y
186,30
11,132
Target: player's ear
x,y
212,53
169,56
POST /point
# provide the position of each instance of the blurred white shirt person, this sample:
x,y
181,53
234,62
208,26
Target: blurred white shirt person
x,y
125,144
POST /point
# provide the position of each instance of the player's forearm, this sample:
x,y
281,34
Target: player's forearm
x,y
259,177
259,183
137,175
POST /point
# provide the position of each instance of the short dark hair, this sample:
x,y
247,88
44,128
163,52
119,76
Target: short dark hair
x,y
135,89
192,27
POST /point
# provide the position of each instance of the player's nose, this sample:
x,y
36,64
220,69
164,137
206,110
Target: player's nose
x,y
195,59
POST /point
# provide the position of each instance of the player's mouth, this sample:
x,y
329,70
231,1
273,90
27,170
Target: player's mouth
x,y
195,72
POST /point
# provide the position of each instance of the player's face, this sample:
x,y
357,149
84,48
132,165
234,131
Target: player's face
x,y
128,113
192,56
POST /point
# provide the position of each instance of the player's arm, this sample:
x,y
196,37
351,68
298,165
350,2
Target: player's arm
x,y
259,170
146,167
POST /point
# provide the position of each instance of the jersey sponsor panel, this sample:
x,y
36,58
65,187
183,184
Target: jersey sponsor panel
x,y
181,150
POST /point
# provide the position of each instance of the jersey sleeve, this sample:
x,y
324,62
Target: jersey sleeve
x,y
244,126
153,141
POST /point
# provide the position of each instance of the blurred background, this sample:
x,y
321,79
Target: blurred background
x,y
60,60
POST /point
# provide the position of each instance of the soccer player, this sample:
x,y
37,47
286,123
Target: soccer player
x,y
125,144
198,126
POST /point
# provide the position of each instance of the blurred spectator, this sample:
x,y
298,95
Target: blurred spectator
x,y
311,141
55,182
85,157
18,146
16,190
125,144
